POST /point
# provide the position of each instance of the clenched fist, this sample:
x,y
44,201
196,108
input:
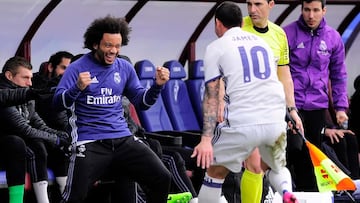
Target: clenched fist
x,y
162,75
84,80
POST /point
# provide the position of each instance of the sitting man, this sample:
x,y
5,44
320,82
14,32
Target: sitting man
x,y
23,121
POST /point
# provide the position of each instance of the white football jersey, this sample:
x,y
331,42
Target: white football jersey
x,y
254,94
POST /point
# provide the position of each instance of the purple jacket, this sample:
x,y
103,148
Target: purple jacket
x,y
315,57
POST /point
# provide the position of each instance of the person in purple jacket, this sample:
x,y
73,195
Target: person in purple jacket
x,y
92,89
317,65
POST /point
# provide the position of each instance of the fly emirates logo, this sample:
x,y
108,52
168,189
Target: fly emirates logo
x,y
106,98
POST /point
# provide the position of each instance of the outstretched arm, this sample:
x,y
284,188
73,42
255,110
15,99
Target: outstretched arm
x,y
11,97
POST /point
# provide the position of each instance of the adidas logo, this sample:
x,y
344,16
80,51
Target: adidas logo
x,y
301,45
94,80
270,196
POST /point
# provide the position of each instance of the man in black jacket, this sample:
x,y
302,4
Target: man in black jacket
x,y
23,121
49,79
14,165
58,120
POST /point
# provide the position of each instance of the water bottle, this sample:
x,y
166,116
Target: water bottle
x,y
345,125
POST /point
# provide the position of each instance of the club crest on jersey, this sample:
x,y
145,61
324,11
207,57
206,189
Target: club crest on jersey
x,y
94,80
323,49
117,78
80,151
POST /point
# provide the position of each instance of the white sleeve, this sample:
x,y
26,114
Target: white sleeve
x,y
211,62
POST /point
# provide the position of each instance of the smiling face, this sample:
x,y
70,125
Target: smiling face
x,y
259,11
313,13
108,48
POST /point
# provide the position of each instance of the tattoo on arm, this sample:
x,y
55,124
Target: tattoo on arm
x,y
210,107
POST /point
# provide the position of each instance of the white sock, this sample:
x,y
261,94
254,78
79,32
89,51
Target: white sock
x,y
41,193
61,181
194,200
281,180
223,199
210,190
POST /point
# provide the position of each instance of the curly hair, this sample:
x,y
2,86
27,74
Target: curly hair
x,y
108,24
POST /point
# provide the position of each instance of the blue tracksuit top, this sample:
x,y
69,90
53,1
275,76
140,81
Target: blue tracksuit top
x,y
97,112
317,56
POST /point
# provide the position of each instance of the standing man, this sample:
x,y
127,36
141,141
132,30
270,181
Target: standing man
x,y
247,66
257,22
92,88
317,61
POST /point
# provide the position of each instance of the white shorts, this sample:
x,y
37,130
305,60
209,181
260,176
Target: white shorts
x,y
233,145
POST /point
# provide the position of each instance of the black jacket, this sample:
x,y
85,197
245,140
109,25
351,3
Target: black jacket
x,y
354,108
54,118
354,112
22,120
10,97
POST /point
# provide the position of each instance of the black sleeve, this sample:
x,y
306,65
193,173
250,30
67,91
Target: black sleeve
x,y
15,123
37,122
153,93
59,120
10,97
